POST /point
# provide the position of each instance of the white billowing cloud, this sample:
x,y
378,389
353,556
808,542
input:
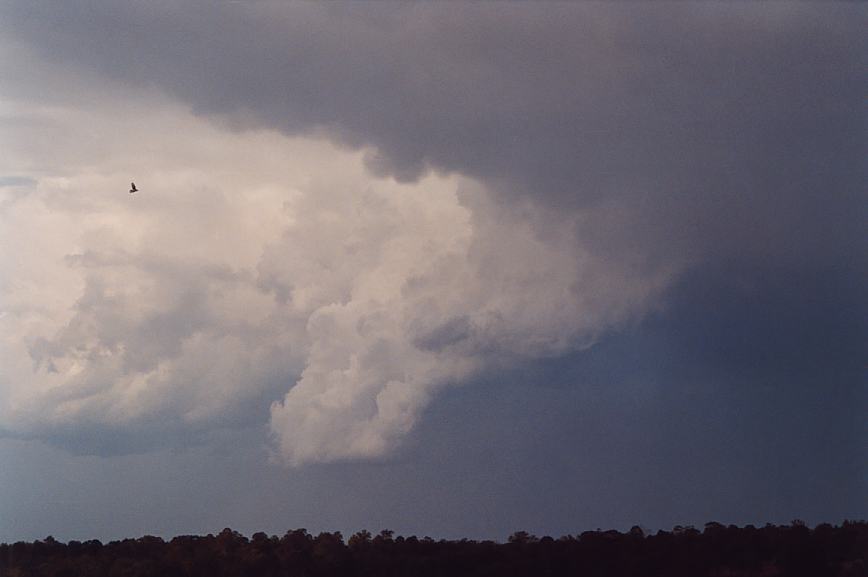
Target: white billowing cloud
x,y
124,308
435,298
256,270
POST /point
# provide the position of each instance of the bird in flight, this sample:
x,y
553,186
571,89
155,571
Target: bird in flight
x,y
133,188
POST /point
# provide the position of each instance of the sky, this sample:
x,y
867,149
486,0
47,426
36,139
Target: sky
x,y
450,269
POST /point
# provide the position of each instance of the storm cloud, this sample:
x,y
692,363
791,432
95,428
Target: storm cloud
x,y
706,128
285,284
518,181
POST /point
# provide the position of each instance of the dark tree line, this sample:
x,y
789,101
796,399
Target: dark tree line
x,y
717,551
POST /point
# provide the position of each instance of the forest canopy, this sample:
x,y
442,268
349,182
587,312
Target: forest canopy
x,y
716,550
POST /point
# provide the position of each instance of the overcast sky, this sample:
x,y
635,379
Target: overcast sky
x,y
450,269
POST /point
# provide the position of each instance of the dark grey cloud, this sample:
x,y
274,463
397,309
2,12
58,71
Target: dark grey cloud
x,y
726,130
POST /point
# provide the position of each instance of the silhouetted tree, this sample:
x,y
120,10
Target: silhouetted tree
x,y
718,550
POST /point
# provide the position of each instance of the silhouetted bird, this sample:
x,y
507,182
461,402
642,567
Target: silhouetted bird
x,y
133,188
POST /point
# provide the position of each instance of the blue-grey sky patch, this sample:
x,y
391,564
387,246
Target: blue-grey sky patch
x,y
16,181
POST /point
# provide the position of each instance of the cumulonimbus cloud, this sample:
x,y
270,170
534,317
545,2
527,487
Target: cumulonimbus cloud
x,y
518,181
254,271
